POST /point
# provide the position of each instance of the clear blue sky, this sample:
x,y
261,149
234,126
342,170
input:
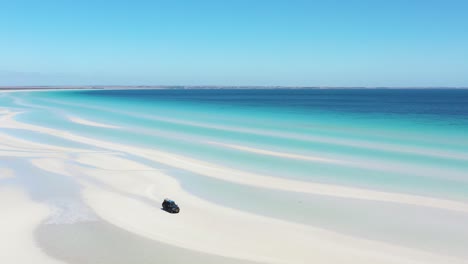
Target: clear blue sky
x,y
234,42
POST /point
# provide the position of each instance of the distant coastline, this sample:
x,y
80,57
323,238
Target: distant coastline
x,y
207,87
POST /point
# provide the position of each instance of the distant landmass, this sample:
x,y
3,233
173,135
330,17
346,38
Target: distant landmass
x,y
210,87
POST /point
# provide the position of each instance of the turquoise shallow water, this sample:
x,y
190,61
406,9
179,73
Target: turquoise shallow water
x,y
405,141
401,140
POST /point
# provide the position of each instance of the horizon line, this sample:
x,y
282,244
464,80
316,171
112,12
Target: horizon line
x,y
20,87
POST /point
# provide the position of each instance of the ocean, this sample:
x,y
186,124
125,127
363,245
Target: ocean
x,y
403,141
391,139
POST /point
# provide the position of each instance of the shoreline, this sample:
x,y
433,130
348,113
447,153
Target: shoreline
x,y
112,183
256,180
158,225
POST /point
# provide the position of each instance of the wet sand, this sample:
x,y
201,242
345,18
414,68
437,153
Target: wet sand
x,y
101,243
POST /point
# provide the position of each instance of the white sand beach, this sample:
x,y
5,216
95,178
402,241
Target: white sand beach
x,y
20,216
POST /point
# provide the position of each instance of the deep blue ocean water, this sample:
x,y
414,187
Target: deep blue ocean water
x,y
430,102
